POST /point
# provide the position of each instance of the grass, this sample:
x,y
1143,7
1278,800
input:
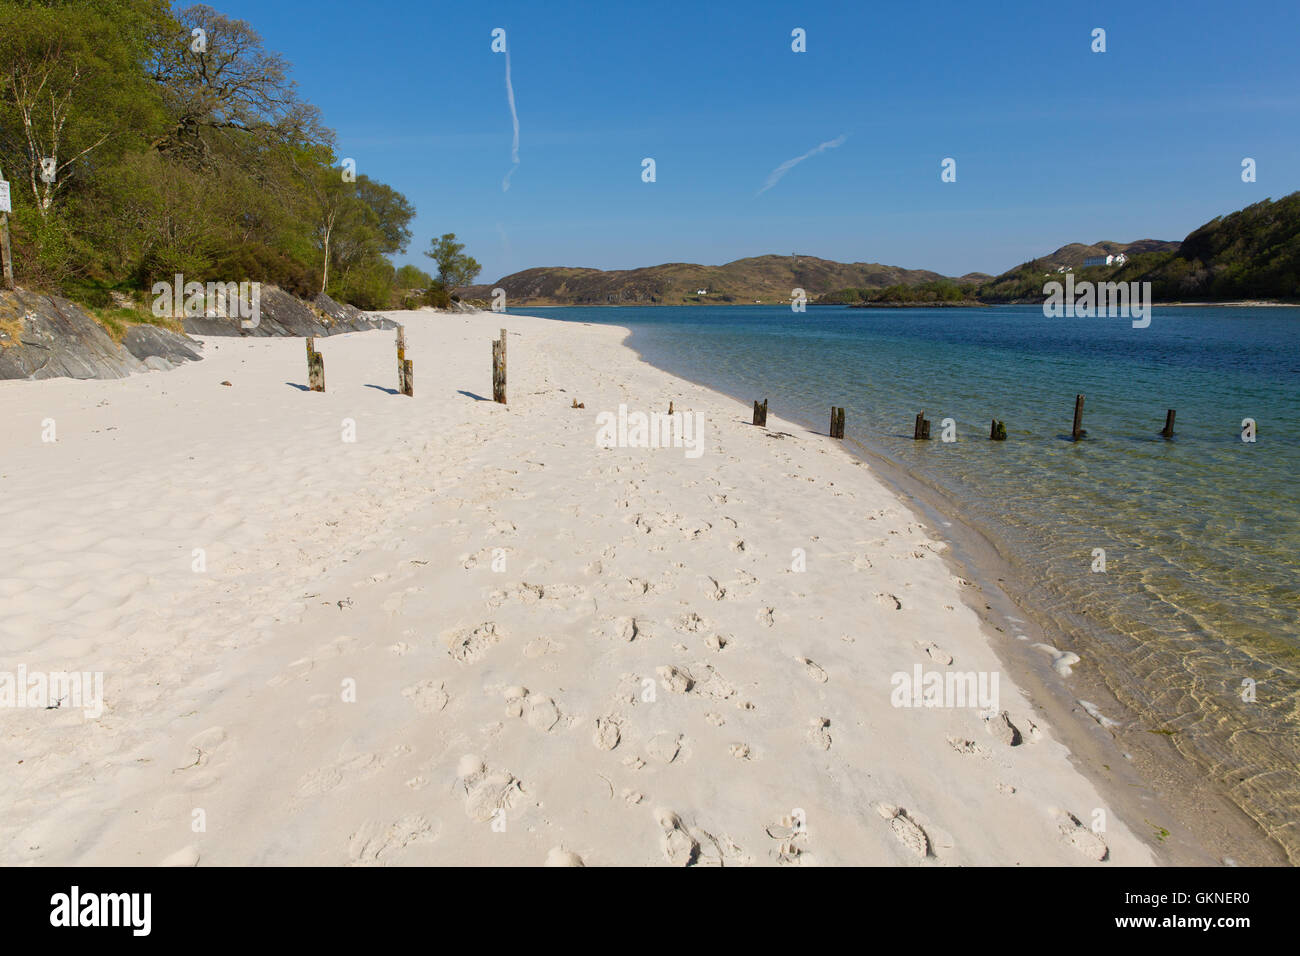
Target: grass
x,y
118,320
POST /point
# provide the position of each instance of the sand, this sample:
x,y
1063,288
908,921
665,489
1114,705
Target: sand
x,y
472,635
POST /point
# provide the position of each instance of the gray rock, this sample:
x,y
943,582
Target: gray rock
x,y
58,339
282,314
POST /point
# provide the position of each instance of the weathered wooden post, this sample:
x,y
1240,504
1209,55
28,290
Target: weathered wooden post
x,y
921,430
315,367
499,369
1168,430
6,253
1077,431
405,383
837,421
670,408
998,431
760,413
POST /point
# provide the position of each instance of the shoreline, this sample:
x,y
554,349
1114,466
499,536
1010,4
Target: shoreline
x,y
1121,764
481,691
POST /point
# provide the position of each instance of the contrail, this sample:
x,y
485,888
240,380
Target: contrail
x,y
775,175
514,118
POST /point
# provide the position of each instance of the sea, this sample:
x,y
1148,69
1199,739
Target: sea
x,y
1170,565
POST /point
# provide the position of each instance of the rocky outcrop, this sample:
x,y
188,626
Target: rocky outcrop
x,y
281,314
58,339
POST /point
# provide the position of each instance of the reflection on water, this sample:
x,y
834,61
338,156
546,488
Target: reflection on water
x,y
1201,534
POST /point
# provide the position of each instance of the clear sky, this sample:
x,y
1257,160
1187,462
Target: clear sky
x,y
1053,143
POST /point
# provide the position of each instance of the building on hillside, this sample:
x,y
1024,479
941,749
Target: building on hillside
x,y
1107,260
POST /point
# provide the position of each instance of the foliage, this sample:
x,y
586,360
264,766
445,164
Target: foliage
x,y
175,156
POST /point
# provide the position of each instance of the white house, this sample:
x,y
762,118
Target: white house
x,y
701,291
1108,260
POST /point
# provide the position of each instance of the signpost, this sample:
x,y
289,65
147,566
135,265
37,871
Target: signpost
x,y
5,209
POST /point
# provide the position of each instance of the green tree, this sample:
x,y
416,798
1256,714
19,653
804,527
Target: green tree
x,y
455,269
413,277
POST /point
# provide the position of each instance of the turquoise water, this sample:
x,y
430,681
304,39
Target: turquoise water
x,y
1201,533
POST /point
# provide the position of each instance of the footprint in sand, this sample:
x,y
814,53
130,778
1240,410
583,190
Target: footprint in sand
x,y
813,669
888,599
1003,730
1080,837
607,733
540,711
691,623
819,734
935,652
373,839
792,837
468,645
964,746
678,846
767,616
676,680
620,629
487,792
907,830
667,747
741,751
428,696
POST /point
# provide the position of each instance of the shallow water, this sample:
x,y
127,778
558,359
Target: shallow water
x,y
1201,534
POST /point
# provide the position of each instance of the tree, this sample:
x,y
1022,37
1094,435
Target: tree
x,y
71,81
455,269
413,277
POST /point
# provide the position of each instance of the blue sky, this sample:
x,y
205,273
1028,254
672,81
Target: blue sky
x,y
1053,143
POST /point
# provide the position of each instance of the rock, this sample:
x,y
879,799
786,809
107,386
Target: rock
x,y
281,314
58,339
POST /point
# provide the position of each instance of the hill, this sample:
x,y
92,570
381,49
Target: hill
x,y
767,279
1253,253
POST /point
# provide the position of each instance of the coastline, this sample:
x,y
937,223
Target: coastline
x,y
369,561
1141,771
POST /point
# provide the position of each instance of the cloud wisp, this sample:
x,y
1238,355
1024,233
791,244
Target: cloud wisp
x,y
775,175
514,118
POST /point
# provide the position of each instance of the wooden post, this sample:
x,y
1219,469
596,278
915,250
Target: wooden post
x,y
315,367
921,430
760,413
1077,431
837,422
670,408
998,431
1168,431
6,251
405,383
499,371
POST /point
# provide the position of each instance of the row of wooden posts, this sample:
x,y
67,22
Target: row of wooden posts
x,y
921,428
405,376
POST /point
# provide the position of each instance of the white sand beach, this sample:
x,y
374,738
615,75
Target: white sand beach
x,y
473,636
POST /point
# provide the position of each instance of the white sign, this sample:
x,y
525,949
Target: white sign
x,y
4,197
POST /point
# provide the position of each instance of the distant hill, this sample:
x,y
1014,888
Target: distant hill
x,y
1253,253
1025,281
768,279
